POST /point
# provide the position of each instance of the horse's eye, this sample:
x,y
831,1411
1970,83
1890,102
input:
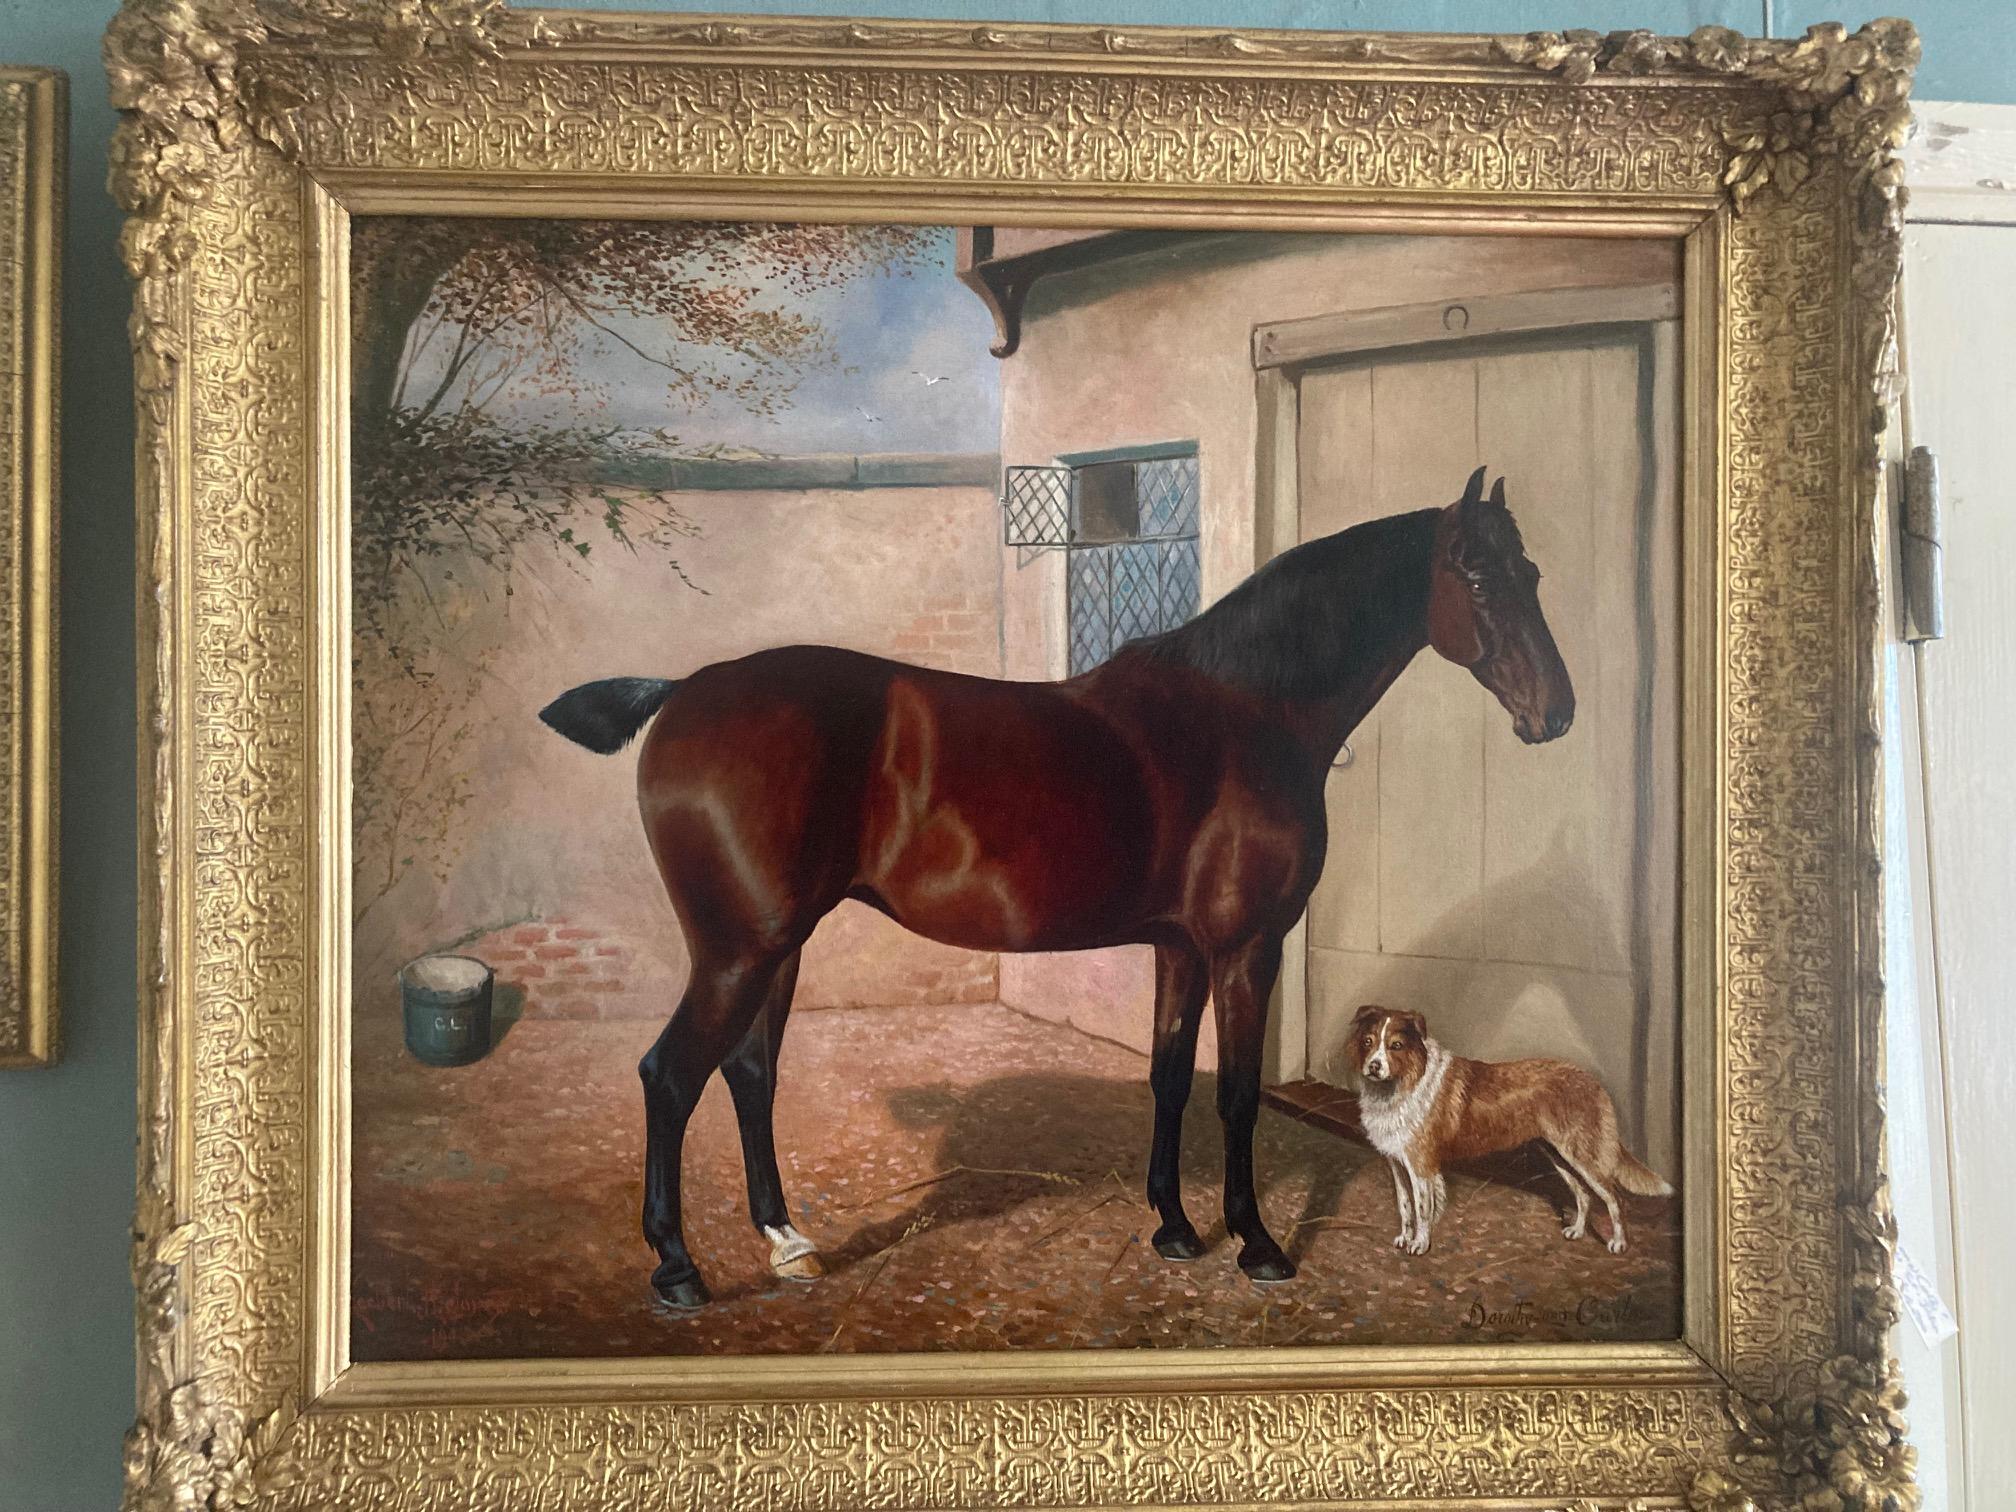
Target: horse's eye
x,y
1476,588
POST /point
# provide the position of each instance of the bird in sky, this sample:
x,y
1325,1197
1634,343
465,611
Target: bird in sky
x,y
929,378
872,419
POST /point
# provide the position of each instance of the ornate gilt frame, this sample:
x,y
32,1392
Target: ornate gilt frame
x,y
34,117
253,128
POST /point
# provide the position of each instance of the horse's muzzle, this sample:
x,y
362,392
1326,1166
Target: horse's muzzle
x,y
1541,729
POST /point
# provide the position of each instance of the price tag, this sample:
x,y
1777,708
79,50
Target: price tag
x,y
1934,1319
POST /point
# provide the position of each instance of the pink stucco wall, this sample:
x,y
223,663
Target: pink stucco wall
x,y
552,831
1157,349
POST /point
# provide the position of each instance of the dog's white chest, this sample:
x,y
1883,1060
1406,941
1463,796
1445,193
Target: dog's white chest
x,y
1393,1121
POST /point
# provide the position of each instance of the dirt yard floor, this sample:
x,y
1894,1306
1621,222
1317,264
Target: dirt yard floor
x,y
973,1179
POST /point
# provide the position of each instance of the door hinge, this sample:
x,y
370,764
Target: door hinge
x,y
1924,577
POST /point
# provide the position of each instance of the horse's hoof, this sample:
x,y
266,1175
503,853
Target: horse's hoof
x,y
793,1257
687,1293
1273,1266
806,1267
1178,1241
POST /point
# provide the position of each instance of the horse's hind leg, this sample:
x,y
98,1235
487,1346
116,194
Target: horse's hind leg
x,y
1242,982
1181,983
751,1073
723,998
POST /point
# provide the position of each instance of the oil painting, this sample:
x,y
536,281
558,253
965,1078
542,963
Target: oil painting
x,y
972,788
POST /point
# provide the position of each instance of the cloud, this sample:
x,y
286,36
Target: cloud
x,y
883,329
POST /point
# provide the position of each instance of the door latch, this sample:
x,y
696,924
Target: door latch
x,y
1923,573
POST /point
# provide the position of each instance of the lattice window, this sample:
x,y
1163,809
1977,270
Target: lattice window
x,y
1127,522
1088,590
1132,566
1135,592
1179,588
1116,594
1036,506
1167,489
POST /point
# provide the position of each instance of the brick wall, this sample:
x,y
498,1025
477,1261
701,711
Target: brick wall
x,y
899,556
566,968
956,634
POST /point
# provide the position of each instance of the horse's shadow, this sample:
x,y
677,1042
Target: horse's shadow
x,y
1012,1140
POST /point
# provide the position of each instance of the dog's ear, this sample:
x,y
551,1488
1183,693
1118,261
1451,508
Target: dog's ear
x,y
1413,1025
1366,1017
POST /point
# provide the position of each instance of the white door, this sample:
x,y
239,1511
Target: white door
x,y
1522,897
1951,866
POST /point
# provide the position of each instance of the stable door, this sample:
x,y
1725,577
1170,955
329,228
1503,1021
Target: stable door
x,y
1521,897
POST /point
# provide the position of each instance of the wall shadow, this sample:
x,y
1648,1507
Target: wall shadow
x,y
1561,884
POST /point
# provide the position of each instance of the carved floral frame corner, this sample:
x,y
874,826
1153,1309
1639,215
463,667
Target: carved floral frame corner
x,y
250,125
34,116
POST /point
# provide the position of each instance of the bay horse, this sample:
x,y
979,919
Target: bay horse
x,y
1171,797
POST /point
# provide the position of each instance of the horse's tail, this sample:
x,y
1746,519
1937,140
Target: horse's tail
x,y
604,716
1636,1177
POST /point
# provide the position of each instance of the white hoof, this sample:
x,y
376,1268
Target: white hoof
x,y
792,1255
1418,1245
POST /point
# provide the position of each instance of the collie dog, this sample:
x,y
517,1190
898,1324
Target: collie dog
x,y
1422,1107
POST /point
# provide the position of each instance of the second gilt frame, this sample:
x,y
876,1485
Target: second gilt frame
x,y
34,124
254,130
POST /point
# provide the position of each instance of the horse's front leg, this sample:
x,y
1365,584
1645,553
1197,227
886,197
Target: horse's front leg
x,y
1181,983
722,1000
751,1073
1242,982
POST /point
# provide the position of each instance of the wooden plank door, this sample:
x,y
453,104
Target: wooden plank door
x,y
1520,896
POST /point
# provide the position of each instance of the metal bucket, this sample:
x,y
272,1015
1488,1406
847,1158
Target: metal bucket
x,y
447,1000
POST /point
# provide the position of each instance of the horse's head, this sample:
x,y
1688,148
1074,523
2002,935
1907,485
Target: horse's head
x,y
1484,613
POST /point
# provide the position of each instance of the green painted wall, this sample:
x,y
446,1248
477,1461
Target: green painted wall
x,y
66,1135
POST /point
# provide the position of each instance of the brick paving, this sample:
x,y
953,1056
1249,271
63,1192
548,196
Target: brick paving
x,y
972,1176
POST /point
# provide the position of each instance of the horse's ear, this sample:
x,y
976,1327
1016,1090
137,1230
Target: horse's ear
x,y
1498,493
1474,489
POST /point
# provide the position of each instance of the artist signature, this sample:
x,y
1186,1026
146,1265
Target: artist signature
x,y
1588,1312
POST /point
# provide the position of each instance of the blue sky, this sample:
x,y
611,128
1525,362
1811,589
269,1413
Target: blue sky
x,y
886,329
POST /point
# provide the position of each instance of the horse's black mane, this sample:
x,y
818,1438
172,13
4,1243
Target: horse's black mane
x,y
1295,628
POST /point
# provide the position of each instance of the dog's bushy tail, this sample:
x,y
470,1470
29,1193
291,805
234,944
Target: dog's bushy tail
x,y
1636,1177
605,716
